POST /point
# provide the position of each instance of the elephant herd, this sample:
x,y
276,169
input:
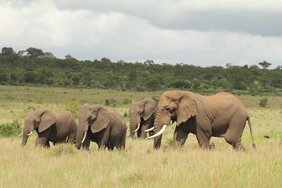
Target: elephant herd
x,y
219,115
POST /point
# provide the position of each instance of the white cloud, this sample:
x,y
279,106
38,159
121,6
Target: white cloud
x,y
141,30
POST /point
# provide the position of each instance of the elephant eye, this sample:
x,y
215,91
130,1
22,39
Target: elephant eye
x,y
168,109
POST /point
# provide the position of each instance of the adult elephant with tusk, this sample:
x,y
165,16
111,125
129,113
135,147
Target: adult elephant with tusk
x,y
219,115
56,127
142,116
105,127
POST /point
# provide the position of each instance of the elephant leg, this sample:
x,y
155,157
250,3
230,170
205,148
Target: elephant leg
x,y
121,145
234,133
47,145
41,142
104,142
180,135
203,138
71,138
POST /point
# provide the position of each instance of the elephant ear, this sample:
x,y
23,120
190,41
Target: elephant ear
x,y
101,122
149,108
187,108
47,119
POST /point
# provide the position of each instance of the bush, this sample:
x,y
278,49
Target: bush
x,y
10,129
253,90
156,98
110,102
125,115
73,107
126,101
263,102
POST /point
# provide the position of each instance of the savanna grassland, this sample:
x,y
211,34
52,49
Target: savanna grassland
x,y
139,165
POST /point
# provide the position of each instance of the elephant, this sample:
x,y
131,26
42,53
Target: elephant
x,y
142,116
56,127
105,127
218,115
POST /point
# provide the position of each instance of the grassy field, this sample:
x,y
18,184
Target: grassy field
x,y
139,165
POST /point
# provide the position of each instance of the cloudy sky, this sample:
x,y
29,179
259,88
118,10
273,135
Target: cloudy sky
x,y
198,32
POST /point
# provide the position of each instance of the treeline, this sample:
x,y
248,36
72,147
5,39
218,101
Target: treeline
x,y
35,67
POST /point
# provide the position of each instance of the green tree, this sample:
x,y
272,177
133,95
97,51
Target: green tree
x,y
68,57
34,52
3,76
30,77
264,64
7,51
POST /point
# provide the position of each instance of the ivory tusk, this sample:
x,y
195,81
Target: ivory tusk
x,y
21,134
84,137
159,133
137,128
29,133
148,130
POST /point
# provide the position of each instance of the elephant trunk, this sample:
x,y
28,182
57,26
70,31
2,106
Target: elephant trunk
x,y
24,139
160,123
158,139
133,126
25,136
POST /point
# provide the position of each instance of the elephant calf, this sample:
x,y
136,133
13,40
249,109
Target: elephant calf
x,y
105,127
56,127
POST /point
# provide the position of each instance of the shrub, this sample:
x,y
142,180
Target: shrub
x,y
156,98
125,114
10,129
253,91
110,102
126,101
73,107
263,102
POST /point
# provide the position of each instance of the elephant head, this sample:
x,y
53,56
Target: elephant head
x,y
37,120
173,106
140,110
93,118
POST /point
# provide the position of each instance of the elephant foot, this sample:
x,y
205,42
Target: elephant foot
x,y
239,146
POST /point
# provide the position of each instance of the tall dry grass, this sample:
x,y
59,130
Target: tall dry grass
x,y
139,165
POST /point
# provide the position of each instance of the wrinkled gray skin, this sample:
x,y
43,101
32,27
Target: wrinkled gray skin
x,y
56,127
219,115
143,112
105,127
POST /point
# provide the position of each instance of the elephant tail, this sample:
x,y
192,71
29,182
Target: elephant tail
x,y
250,126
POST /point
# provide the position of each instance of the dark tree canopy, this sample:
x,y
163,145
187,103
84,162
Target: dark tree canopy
x,y
264,64
7,51
34,52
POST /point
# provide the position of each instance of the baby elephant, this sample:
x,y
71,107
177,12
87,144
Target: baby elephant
x,y
105,127
56,127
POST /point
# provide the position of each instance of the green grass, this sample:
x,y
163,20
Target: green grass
x,y
139,165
